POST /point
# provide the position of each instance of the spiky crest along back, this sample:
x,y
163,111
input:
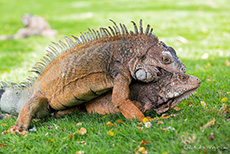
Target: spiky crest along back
x,y
105,34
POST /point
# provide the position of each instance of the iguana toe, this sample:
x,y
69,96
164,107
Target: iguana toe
x,y
17,130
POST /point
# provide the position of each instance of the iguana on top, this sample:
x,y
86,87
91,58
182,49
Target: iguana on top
x,y
97,62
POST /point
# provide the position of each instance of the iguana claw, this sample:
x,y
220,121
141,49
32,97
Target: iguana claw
x,y
16,130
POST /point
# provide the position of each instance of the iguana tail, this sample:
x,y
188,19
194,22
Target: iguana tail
x,y
13,98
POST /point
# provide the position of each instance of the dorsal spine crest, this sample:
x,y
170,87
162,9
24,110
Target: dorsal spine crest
x,y
89,35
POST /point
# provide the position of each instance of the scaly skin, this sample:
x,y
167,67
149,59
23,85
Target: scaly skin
x,y
158,96
87,70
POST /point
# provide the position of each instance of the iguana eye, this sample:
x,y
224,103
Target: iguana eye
x,y
184,77
166,59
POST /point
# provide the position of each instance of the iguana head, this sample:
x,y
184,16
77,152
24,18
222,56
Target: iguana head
x,y
170,90
148,66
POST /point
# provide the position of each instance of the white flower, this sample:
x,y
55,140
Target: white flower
x,y
148,124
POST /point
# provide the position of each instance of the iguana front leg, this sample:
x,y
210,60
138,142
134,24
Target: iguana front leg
x,y
36,103
120,99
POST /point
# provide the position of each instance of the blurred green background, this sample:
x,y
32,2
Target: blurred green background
x,y
199,30
193,28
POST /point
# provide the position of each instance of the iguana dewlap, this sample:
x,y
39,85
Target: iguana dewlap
x,y
100,61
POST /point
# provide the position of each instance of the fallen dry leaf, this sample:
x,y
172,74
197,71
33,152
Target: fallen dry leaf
x,y
119,121
4,132
3,124
176,108
50,140
36,120
228,92
149,118
139,128
167,117
109,124
164,115
156,118
227,63
82,131
82,142
207,65
2,145
210,123
141,149
204,105
70,136
224,99
145,142
190,103
221,91
211,136
80,152
79,124
111,133
159,122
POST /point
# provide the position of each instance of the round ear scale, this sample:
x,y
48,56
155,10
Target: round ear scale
x,y
143,75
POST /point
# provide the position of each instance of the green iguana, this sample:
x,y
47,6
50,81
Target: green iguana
x,y
159,96
99,61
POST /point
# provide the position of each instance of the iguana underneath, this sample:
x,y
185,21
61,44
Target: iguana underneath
x,y
158,96
80,71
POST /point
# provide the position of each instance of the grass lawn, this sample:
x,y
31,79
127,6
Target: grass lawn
x,y
198,30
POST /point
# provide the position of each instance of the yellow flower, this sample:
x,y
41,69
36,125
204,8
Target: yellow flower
x,y
145,120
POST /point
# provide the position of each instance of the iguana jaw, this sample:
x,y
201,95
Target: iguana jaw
x,y
171,102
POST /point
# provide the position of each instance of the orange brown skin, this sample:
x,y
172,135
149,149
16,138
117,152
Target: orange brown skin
x,y
95,67
159,96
